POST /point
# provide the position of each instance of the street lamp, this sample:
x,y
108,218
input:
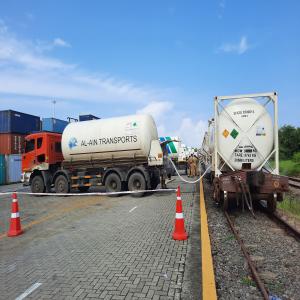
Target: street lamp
x,y
53,102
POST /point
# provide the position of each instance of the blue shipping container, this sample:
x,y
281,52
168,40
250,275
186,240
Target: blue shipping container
x,y
16,122
87,118
2,169
13,164
54,125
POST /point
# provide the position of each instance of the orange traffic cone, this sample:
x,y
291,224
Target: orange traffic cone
x,y
179,231
15,222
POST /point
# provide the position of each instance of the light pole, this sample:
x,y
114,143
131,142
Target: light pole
x,y
53,102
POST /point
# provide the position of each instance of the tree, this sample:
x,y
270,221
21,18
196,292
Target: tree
x,y
289,141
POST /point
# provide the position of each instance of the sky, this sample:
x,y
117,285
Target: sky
x,y
166,58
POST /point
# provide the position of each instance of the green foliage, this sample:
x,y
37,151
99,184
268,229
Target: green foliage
x,y
248,281
291,204
289,141
296,158
289,168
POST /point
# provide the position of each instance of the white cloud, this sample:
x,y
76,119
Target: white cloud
x,y
222,4
241,47
221,8
27,69
156,109
192,131
170,122
16,54
61,43
30,78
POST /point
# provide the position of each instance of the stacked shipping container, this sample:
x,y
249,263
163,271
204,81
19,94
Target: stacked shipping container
x,y
87,118
54,125
14,126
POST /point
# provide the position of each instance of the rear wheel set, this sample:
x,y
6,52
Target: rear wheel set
x,y
272,203
37,184
61,185
137,182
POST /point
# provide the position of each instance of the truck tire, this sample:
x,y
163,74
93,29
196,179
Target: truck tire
x,y
37,184
113,183
61,185
136,182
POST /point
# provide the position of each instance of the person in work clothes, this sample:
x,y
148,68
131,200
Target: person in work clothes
x,y
196,162
189,163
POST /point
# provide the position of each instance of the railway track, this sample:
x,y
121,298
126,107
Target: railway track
x,y
260,284
283,223
294,182
255,274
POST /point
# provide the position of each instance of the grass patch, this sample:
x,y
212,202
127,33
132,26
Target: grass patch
x,y
248,281
229,238
290,204
289,168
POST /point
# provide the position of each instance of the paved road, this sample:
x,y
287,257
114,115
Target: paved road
x,y
101,247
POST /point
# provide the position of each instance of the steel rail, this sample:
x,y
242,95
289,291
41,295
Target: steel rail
x,y
287,226
294,179
294,185
251,265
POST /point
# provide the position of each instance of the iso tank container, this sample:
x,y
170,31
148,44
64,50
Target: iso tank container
x,y
54,125
2,169
16,122
113,138
245,134
13,164
12,143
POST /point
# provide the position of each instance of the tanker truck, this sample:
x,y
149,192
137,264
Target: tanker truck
x,y
120,153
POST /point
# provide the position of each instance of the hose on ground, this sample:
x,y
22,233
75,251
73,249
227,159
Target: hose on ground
x,y
187,181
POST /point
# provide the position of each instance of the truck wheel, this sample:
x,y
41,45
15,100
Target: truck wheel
x,y
37,184
61,185
136,182
83,189
113,183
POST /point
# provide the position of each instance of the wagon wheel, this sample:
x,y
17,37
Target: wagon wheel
x,y
225,201
271,204
216,193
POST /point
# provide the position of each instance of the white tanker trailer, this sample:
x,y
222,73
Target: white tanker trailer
x,y
244,149
120,153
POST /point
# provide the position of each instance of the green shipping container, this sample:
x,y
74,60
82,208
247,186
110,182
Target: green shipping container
x,y
2,169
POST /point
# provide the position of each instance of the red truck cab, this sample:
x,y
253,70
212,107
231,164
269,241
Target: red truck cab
x,y
42,152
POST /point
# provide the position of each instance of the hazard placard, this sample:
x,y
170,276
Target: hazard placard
x,y
225,133
234,133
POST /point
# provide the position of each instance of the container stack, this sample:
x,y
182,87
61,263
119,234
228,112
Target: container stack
x,y
54,125
87,118
14,126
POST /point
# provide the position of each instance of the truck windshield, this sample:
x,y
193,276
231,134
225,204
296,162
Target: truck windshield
x,y
29,145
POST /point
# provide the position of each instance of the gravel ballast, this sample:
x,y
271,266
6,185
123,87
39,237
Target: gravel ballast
x,y
275,253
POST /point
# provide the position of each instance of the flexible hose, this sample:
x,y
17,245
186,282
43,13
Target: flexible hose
x,y
182,179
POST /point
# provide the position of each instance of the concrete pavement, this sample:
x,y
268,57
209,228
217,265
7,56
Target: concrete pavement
x,y
101,247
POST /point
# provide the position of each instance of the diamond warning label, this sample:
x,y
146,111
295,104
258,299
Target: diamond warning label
x,y
234,133
225,133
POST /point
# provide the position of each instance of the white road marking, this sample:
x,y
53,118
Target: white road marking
x,y
133,209
29,291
